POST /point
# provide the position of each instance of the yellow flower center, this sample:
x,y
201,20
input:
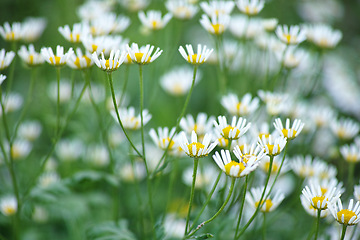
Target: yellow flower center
x,y
271,149
324,43
75,39
77,62
9,210
31,59
165,142
242,107
267,135
94,47
348,214
351,158
274,167
223,142
155,24
289,38
316,200
55,61
218,28
107,64
232,164
15,153
198,147
287,132
268,205
323,191
139,56
193,58
10,36
226,132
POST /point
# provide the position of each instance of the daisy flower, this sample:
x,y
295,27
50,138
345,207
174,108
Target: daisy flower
x,y
74,36
250,7
234,130
307,166
79,60
290,35
292,57
30,130
272,147
20,149
48,178
196,149
30,56
134,5
104,43
129,120
275,102
108,23
143,55
198,58
321,115
58,59
162,139
318,198
217,24
8,205
242,107
111,64
265,165
181,9
5,58
178,81
12,102
12,32
349,216
289,132
269,204
235,169
69,150
246,152
310,209
323,35
269,24
217,7
153,20
32,28
345,129
201,125
351,153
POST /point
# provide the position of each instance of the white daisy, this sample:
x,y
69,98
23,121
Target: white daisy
x,y
58,59
196,149
200,57
143,55
232,131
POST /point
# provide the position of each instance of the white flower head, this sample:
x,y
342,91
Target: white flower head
x,y
250,7
153,20
30,56
217,24
323,35
163,139
75,35
58,59
232,131
130,120
32,28
196,149
345,129
351,153
272,146
242,107
217,7
269,204
289,132
349,216
8,205
114,61
197,58
290,35
181,9
201,125
142,55
80,60
5,58
11,32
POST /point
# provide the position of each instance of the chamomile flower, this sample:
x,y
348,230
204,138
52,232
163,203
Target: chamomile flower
x,y
351,153
112,63
98,155
131,172
74,36
323,36
201,125
142,55
153,20
217,7
232,131
310,209
319,198
217,24
8,205
32,28
58,59
321,115
80,60
198,58
20,149
69,150
290,35
12,102
349,216
247,152
12,32
269,24
235,169
292,57
5,58
307,167
2,78
181,9
134,5
269,204
30,130
250,7
242,107
109,24
345,129
163,139
196,149
30,57
93,9
130,120
272,146
265,165
104,43
276,103
178,81
289,132
48,178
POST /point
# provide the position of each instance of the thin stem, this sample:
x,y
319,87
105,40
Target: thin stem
x,y
343,232
317,224
207,201
58,101
218,212
242,206
261,199
351,175
109,75
10,79
192,193
126,80
264,226
4,118
178,122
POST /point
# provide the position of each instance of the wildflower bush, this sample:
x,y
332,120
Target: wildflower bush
x,y
182,119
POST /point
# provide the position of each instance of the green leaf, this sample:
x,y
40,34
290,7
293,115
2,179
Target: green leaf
x,y
94,176
110,231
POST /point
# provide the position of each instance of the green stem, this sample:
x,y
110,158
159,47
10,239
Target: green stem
x,y
351,175
109,75
264,226
171,183
27,102
317,224
192,193
10,79
343,232
126,80
241,207
218,212
261,199
207,201
4,118
177,123
58,101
